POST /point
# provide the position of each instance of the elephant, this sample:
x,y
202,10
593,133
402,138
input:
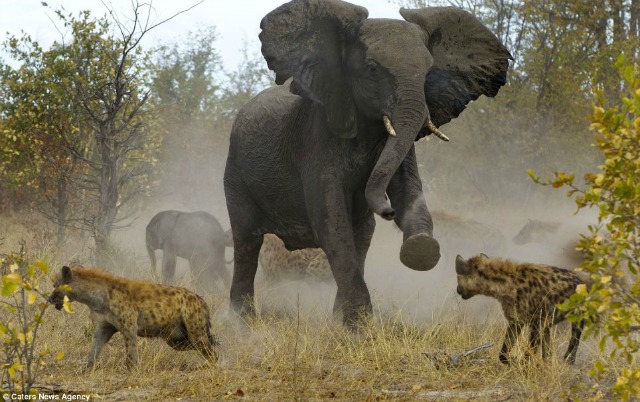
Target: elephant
x,y
313,158
195,236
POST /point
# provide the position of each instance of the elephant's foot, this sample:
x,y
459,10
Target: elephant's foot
x,y
244,308
354,316
420,252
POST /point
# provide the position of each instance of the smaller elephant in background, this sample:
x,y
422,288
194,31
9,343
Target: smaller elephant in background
x,y
195,236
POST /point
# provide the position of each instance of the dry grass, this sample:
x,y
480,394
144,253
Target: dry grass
x,y
296,350
281,357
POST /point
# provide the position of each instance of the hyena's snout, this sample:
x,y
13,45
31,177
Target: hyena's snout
x,y
57,299
463,292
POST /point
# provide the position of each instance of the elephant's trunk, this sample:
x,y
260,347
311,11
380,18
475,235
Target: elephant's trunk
x,y
402,126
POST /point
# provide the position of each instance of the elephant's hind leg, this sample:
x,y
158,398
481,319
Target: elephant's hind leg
x,y
168,264
245,256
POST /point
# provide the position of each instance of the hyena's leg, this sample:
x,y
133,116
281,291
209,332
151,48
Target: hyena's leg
x,y
199,332
572,350
513,330
103,332
129,330
546,342
534,337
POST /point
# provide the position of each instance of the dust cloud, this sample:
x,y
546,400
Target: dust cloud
x,y
395,289
476,209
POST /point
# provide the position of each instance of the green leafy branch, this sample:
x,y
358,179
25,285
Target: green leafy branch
x,y
23,305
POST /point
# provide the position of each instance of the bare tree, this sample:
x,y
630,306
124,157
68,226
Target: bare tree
x,y
110,89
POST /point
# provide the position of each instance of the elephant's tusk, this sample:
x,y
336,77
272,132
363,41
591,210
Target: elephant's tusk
x,y
434,130
389,126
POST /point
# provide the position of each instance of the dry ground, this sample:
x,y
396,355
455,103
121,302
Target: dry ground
x,y
278,357
296,350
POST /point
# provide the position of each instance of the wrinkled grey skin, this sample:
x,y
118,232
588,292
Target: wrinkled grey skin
x,y
194,236
311,161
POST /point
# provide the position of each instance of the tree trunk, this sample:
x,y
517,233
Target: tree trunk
x,y
108,197
61,210
634,27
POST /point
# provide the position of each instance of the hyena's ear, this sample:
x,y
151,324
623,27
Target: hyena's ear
x,y
462,267
67,275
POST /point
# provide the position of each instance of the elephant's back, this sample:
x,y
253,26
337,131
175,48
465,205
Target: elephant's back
x,y
264,116
203,223
161,217
197,232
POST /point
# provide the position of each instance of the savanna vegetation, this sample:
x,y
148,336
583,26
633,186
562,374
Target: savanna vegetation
x,y
97,134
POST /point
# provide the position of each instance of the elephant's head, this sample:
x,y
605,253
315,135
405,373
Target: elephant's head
x,y
412,76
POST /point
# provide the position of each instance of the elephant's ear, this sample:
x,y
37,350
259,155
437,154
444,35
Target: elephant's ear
x,y
304,39
468,60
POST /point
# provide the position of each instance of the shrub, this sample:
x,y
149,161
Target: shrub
x,y
23,305
610,307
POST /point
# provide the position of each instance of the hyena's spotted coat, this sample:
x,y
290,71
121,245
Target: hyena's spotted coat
x,y
528,294
136,308
278,262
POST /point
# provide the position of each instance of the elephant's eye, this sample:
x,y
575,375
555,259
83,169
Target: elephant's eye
x,y
372,67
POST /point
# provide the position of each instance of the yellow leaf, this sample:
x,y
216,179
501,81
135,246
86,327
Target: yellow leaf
x,y
9,287
59,356
31,297
67,305
598,113
42,266
13,278
599,179
581,289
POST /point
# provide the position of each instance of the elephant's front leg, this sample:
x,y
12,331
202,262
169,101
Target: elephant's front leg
x,y
332,225
362,234
420,250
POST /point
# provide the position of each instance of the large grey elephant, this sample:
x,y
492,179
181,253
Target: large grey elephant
x,y
311,160
194,236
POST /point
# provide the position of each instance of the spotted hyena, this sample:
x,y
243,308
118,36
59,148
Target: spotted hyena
x,y
278,262
136,308
528,294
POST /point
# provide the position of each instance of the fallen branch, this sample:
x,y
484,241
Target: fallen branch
x,y
453,360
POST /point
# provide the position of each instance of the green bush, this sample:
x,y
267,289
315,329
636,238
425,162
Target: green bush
x,y
23,305
610,306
